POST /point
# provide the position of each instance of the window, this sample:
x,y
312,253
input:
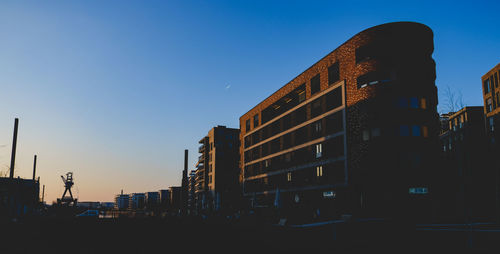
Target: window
x,y
315,84
334,123
317,127
425,131
414,102
334,98
288,157
495,79
491,124
302,96
418,190
316,107
247,125
489,105
319,171
404,130
366,135
210,168
402,102
319,150
210,179
366,52
211,146
372,78
376,132
415,130
256,120
289,176
486,86
423,103
267,163
333,73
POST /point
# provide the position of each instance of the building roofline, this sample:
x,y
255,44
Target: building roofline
x,y
487,74
350,39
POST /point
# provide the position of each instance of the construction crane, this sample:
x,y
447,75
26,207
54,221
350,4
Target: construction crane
x,y
68,183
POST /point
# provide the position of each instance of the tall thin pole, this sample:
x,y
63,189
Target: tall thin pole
x,y
43,193
14,143
184,183
34,168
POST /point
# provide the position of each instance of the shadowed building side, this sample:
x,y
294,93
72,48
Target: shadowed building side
x,y
356,133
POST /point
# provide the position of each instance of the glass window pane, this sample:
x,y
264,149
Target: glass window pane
x,y
414,102
415,130
404,130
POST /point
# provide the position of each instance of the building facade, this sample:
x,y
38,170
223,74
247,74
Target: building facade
x,y
137,201
18,197
466,175
491,95
356,133
216,186
122,201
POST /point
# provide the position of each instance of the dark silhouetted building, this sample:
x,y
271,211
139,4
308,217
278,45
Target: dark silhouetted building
x,y
18,197
467,183
355,134
137,201
191,192
175,199
217,170
491,96
122,201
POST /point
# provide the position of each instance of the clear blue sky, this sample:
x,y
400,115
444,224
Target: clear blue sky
x,y
116,90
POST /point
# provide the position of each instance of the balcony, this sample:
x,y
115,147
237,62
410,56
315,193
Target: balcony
x,y
201,158
201,149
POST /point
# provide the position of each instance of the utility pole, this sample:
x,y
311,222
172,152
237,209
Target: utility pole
x,y
13,154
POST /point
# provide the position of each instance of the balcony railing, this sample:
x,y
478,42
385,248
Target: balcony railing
x,y
201,148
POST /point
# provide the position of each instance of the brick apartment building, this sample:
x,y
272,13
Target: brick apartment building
x,y
466,175
491,96
217,170
356,133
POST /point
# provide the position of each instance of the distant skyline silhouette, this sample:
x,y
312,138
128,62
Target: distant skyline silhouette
x,y
115,91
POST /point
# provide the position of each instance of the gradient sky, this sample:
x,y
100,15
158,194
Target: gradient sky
x,y
116,90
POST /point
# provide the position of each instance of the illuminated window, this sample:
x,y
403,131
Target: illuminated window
x,y
319,150
319,171
366,135
423,103
425,131
289,176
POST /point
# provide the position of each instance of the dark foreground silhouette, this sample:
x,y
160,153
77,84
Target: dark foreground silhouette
x,y
193,235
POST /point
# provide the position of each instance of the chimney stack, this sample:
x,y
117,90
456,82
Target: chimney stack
x,y
14,143
184,191
34,167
